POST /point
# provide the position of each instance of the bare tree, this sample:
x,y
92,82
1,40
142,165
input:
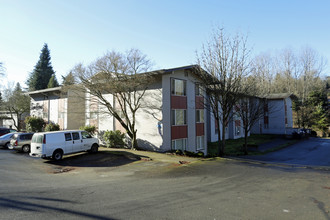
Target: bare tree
x,y
2,69
250,109
263,72
17,104
125,77
225,59
312,65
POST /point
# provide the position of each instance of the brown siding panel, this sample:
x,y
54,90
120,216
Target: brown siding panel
x,y
178,132
199,129
199,102
179,102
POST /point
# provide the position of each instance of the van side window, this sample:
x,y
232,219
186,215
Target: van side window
x,y
85,135
68,137
75,136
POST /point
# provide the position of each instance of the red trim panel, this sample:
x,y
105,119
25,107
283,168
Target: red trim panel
x,y
199,102
179,102
199,129
178,132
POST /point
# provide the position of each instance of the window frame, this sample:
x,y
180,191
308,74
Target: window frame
x,y
174,117
200,119
173,87
65,136
74,137
198,90
184,143
200,142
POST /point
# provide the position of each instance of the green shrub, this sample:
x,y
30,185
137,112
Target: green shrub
x,y
34,124
89,128
52,127
200,154
114,138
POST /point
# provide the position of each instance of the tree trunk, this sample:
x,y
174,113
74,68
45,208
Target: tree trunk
x,y
223,140
134,144
245,142
219,141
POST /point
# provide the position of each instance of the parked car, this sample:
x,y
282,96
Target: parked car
x,y
4,131
5,140
21,142
58,143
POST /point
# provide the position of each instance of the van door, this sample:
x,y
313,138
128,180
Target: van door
x,y
68,143
77,142
86,140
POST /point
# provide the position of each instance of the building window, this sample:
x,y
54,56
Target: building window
x,y
178,87
61,115
179,117
45,115
198,90
92,115
199,116
200,142
237,127
179,144
237,130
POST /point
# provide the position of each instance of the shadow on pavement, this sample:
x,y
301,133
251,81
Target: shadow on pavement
x,y
38,205
100,159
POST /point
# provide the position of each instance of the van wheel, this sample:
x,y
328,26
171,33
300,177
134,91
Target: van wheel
x,y
26,148
94,148
57,155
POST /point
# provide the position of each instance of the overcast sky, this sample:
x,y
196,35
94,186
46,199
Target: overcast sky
x,y
169,32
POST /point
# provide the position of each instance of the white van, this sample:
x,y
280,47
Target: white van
x,y
57,143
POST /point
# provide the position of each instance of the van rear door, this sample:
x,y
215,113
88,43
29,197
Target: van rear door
x,y
36,144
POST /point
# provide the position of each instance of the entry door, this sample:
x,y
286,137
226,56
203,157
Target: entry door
x,y
76,142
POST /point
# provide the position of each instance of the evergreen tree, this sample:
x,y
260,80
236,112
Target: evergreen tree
x,y
43,71
52,82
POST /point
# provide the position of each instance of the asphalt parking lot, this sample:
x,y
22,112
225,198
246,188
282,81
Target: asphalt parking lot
x,y
122,184
313,153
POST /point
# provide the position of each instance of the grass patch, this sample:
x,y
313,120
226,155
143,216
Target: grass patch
x,y
234,146
274,149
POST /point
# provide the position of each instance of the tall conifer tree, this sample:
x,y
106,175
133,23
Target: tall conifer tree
x,y
43,71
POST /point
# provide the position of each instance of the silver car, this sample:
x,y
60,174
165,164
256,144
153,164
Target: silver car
x,y
5,140
21,142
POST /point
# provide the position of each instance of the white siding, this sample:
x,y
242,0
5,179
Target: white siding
x,y
53,110
105,119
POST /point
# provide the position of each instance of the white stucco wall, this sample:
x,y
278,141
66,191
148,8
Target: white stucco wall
x,y
105,120
53,110
149,120
7,123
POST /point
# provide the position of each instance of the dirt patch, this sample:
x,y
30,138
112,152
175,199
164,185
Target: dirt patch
x,y
100,159
62,170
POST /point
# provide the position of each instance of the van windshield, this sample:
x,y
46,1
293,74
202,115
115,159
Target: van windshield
x,y
37,138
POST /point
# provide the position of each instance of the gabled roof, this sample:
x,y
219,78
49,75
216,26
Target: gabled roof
x,y
279,96
45,91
